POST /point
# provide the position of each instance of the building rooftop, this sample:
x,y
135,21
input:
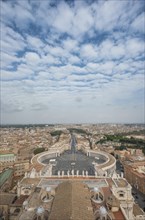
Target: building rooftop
x,y
30,181
113,201
72,201
6,154
7,198
118,215
21,199
137,210
5,175
121,182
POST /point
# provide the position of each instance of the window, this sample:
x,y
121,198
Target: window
x,y
26,191
17,210
121,193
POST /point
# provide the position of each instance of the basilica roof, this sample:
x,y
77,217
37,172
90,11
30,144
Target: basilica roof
x,y
72,201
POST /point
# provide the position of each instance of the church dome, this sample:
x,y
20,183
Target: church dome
x,y
96,189
25,203
103,211
40,210
97,195
48,189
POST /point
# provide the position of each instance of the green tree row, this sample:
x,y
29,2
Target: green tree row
x,y
122,139
39,150
77,130
55,133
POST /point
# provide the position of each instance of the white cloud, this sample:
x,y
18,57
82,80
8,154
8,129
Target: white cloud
x,y
32,58
107,67
13,75
22,16
105,49
57,51
138,23
64,18
49,59
88,52
66,54
107,14
74,59
11,107
7,60
82,21
81,78
35,43
117,51
70,45
38,107
134,47
11,41
19,14
93,66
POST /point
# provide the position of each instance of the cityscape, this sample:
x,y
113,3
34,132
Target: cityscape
x,y
49,171
72,110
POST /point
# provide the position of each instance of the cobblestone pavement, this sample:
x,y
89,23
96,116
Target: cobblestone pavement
x,y
74,161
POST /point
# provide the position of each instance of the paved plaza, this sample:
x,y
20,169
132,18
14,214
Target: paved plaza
x,y
75,161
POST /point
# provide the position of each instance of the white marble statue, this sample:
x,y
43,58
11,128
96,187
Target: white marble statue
x,y
59,173
62,172
83,172
33,173
68,173
72,172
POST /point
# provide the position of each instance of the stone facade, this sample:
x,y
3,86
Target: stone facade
x,y
135,176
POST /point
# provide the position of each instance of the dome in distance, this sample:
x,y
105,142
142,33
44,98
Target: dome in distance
x,y
48,188
25,203
103,211
40,210
96,189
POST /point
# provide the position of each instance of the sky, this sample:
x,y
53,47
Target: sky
x,y
72,61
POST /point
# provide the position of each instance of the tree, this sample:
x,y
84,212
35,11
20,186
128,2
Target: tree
x,y
55,133
39,150
143,150
122,148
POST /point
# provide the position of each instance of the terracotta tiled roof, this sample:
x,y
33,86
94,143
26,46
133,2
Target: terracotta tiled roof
x,y
21,199
6,198
137,210
118,215
106,191
72,201
5,152
121,182
113,201
30,181
110,182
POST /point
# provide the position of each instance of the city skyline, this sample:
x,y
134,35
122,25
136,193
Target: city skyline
x,y
72,62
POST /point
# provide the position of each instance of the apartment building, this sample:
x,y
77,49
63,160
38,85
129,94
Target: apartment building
x,y
135,174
